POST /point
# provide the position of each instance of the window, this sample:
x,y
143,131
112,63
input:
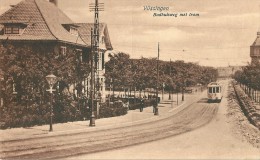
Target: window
x,y
214,90
79,54
101,84
12,30
8,30
15,30
101,61
14,88
210,89
86,55
63,50
217,89
73,31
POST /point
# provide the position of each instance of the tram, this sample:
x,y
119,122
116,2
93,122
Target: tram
x,y
214,92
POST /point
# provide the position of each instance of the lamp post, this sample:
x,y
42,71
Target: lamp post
x,y
163,85
156,112
51,81
177,96
183,90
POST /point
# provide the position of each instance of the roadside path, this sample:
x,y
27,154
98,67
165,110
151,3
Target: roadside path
x,y
132,118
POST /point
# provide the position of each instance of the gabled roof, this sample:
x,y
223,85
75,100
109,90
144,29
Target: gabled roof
x,y
43,19
257,41
85,33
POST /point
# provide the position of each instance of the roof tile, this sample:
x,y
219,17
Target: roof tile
x,y
85,33
43,19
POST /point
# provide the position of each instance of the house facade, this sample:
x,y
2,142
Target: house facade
x,y
255,50
43,28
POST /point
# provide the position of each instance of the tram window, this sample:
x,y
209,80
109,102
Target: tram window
x,y
217,89
210,90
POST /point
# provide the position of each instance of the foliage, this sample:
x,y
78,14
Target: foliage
x,y
137,105
250,76
111,110
247,105
24,84
142,73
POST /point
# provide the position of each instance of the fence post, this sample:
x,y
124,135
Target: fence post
x,y
254,94
257,98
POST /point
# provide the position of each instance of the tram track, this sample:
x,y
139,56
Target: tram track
x,y
191,117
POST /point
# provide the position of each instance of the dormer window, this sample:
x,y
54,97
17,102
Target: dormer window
x,y
73,30
12,30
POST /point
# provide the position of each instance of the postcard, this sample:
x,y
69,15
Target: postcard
x,y
129,79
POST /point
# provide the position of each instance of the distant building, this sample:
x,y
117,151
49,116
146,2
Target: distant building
x,y
35,23
227,72
255,49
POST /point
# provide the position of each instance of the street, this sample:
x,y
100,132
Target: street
x,y
216,140
196,129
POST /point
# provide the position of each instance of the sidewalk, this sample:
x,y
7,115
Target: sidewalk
x,y
133,117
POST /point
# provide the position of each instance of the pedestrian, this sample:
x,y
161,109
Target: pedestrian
x,y
154,105
142,105
127,105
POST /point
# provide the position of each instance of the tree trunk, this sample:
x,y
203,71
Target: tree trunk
x,y
170,94
182,97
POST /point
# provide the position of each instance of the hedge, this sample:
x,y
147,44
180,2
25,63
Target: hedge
x,y
247,105
112,109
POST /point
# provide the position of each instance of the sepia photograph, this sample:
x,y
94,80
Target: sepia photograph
x,y
129,79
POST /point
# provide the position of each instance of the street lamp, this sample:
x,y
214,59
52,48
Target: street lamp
x,y
156,112
51,80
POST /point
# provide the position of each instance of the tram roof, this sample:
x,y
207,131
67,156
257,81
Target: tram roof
x,y
213,84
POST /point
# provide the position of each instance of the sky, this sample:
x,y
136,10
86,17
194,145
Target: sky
x,y
220,36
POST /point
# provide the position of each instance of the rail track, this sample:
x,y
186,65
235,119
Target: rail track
x,y
195,115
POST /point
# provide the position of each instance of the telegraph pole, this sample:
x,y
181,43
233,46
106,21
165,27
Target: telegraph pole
x,y
96,7
170,87
156,112
92,81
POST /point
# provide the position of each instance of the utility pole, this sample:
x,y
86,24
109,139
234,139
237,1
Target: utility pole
x,y
92,81
156,112
96,7
170,87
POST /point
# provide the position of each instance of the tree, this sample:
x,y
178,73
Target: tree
x,y
24,83
142,73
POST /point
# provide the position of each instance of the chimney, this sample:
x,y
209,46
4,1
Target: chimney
x,y
55,2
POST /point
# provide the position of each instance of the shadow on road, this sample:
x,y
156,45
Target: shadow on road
x,y
166,103
203,100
